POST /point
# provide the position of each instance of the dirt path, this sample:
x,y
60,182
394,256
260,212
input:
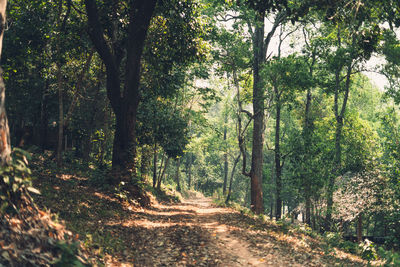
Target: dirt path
x,y
192,233
196,233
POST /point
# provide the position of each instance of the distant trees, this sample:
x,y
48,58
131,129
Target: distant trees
x,y
206,85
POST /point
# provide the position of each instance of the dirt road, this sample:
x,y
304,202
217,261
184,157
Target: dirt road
x,y
196,233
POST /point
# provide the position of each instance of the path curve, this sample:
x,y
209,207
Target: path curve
x,y
197,233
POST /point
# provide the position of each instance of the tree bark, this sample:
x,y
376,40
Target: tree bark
x,y
278,164
307,144
256,170
225,163
161,176
44,118
228,197
5,143
145,159
60,116
177,175
155,165
359,228
190,158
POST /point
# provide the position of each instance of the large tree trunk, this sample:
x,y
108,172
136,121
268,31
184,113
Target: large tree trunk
x,y
124,146
5,144
256,171
124,101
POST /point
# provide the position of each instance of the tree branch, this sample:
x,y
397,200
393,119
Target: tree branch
x,y
248,113
96,34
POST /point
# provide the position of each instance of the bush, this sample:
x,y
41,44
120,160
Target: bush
x,y
15,181
368,251
349,247
391,258
333,238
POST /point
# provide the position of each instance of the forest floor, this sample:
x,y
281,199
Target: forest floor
x,y
194,232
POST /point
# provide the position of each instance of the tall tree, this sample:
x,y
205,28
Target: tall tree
x,y
260,44
351,49
5,146
122,83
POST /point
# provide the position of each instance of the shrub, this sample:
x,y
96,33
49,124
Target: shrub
x,y
391,258
368,251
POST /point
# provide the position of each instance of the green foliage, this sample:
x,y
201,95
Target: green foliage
x,y
69,252
391,258
284,225
15,181
368,250
349,247
333,238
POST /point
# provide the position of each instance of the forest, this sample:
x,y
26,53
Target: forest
x,y
200,133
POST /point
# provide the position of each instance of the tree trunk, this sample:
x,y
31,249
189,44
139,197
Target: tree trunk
x,y
145,159
124,146
225,163
5,144
307,132
44,118
154,165
190,170
177,175
161,176
256,171
359,228
308,209
278,165
228,197
314,215
124,101
339,116
60,116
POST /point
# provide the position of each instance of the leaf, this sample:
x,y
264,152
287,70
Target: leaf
x,y
33,190
6,256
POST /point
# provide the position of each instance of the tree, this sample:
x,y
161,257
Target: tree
x,y
352,49
5,146
124,97
286,76
127,44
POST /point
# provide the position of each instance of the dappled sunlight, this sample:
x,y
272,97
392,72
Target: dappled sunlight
x,y
181,233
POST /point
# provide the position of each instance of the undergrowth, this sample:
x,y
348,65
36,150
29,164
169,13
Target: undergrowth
x,y
367,250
